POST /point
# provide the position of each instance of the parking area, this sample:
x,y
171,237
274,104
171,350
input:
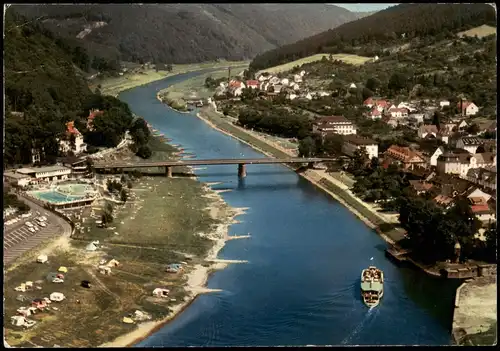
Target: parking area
x,y
20,237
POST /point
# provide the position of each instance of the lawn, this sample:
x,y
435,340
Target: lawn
x,y
115,85
348,58
481,31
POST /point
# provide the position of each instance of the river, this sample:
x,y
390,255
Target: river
x,y
306,252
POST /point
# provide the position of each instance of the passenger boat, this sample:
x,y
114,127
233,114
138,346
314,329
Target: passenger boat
x,y
372,286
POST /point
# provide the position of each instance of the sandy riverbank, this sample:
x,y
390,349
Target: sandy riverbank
x,y
196,277
196,280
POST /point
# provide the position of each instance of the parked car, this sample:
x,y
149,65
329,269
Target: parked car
x,y
31,229
29,224
41,224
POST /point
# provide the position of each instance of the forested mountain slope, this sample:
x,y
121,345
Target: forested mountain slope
x,y
185,33
44,89
370,35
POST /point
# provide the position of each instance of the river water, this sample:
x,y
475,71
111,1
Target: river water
x,y
306,252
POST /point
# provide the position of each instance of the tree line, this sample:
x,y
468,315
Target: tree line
x,y
388,27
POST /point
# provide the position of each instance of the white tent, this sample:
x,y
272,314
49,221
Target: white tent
x,y
159,292
42,259
57,296
91,247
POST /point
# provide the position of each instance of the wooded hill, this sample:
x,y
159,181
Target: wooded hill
x,y
370,36
187,33
45,88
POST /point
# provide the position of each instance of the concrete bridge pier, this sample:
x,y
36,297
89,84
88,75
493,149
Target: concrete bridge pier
x,y
310,165
242,171
168,171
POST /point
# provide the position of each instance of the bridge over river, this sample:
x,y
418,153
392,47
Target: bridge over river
x,y
241,162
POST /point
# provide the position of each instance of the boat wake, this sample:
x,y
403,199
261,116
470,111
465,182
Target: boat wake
x,y
369,317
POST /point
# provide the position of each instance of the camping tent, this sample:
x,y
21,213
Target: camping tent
x,y
42,259
63,269
159,292
57,296
91,247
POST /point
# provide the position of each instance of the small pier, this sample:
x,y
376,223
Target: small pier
x,y
397,253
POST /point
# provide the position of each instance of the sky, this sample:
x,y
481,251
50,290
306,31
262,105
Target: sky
x,y
365,7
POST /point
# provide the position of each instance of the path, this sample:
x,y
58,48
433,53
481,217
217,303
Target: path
x,y
101,285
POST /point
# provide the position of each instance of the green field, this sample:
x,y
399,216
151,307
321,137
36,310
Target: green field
x,y
348,58
194,88
481,31
115,85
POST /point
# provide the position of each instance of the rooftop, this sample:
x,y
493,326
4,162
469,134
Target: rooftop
x,y
359,140
471,141
332,119
15,175
41,169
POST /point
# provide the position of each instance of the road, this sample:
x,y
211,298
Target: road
x,y
18,239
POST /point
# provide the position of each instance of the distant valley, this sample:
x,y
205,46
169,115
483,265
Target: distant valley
x,y
187,33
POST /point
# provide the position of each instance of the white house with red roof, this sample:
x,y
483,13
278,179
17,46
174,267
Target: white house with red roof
x,y
236,87
253,84
468,108
66,144
380,104
90,119
375,113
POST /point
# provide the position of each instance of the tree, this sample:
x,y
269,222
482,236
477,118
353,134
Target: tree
x,y
473,129
372,83
169,67
123,195
366,93
144,152
491,242
307,147
397,82
332,145
358,161
436,119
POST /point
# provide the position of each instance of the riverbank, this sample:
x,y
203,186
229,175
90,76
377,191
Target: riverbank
x,y
321,179
115,85
145,237
177,95
475,316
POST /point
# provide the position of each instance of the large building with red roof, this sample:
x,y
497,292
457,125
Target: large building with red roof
x,y
66,144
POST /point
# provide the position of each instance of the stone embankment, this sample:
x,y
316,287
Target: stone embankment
x,y
475,315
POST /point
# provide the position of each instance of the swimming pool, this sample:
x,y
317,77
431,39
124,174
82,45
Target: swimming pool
x,y
64,193
54,196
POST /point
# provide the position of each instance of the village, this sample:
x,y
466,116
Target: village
x,y
448,151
